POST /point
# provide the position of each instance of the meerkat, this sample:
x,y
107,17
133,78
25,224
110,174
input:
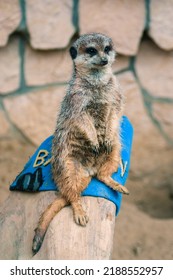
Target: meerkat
x,y
86,141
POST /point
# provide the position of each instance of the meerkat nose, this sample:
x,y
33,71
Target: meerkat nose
x,y
104,61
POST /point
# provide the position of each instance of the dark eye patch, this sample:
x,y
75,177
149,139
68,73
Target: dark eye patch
x,y
107,49
91,51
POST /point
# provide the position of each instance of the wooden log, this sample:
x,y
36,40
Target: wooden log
x,y
64,239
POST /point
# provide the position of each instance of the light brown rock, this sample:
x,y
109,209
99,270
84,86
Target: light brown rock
x,y
163,112
47,67
121,63
50,23
155,69
4,125
9,67
151,155
161,27
123,21
10,17
35,113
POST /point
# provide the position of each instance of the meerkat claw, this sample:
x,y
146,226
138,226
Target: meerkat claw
x,y
124,190
81,220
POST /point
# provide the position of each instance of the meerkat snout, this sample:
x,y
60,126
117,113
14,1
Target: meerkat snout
x,y
104,61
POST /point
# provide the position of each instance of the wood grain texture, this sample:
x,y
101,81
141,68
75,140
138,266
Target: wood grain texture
x,y
64,239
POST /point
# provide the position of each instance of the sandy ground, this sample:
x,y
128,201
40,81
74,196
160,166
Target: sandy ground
x,y
144,227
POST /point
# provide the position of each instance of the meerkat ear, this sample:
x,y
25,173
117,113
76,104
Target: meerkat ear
x,y
73,52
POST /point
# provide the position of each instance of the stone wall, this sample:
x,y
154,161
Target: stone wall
x,y
35,67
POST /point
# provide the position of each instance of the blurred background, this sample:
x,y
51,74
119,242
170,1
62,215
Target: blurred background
x,y
34,70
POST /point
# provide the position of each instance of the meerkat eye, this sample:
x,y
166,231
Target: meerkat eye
x,y
91,51
107,49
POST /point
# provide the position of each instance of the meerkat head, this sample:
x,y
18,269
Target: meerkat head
x,y
92,51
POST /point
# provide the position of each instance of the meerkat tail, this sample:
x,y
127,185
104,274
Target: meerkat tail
x,y
45,220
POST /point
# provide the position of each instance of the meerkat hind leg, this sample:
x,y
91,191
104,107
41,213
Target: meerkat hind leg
x,y
79,214
107,169
112,184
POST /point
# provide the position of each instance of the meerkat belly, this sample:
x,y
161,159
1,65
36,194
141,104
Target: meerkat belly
x,y
99,113
80,149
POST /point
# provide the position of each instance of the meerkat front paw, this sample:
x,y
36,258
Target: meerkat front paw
x,y
95,149
107,145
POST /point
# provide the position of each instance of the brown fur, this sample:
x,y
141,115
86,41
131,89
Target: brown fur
x,y
87,139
